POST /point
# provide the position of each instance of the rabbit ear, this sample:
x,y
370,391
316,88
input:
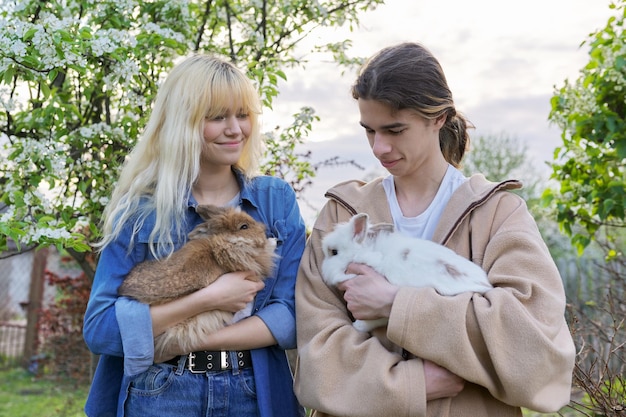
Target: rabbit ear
x,y
359,227
200,231
379,228
207,211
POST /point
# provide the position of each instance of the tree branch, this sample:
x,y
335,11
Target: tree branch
x,y
204,20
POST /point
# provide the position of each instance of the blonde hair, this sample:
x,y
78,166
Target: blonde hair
x,y
165,163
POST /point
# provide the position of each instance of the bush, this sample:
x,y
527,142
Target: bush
x,y
63,352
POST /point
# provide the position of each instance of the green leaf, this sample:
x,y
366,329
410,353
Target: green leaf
x,y
8,75
29,34
45,89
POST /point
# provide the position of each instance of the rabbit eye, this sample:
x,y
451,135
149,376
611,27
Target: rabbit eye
x,y
243,226
334,252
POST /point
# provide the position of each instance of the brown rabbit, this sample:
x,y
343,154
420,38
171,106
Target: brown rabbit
x,y
229,240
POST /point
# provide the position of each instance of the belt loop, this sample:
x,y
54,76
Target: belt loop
x,y
234,361
180,368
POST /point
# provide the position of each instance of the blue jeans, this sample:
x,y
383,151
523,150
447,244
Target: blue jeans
x,y
168,391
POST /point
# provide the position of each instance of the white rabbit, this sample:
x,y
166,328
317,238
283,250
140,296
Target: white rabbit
x,y
401,259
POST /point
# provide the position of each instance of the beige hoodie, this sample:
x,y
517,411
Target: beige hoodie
x,y
511,344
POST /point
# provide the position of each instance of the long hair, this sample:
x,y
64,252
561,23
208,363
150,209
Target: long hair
x,y
408,76
160,171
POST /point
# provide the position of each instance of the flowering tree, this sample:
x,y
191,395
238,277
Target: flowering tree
x,y
77,78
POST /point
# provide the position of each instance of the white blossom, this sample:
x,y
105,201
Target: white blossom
x,y
80,224
164,32
122,72
48,232
8,215
18,48
7,102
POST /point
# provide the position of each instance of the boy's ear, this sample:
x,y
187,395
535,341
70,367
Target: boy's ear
x,y
440,121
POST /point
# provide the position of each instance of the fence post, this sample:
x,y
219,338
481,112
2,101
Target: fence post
x,y
33,309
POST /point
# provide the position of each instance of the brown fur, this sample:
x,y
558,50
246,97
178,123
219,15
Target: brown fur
x,y
229,240
452,271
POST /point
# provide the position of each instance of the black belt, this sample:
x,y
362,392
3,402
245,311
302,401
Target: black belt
x,y
213,360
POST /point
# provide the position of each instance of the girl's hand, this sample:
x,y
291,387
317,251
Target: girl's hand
x,y
231,292
368,295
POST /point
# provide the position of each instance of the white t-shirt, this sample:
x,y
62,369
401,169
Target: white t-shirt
x,y
423,226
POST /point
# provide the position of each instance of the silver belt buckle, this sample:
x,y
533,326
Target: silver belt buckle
x,y
224,359
191,364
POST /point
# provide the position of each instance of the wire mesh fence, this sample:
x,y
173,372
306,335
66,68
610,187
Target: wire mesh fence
x,y
23,294
15,279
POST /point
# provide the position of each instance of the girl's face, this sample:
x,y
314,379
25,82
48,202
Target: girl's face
x,y
404,142
225,137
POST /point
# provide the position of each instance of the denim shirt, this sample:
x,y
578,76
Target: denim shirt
x,y
120,329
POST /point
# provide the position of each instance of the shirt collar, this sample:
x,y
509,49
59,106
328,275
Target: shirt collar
x,y
245,193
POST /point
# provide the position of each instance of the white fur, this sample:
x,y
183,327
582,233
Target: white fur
x,y
403,260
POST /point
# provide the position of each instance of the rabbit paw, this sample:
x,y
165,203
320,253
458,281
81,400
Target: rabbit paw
x,y
339,278
369,325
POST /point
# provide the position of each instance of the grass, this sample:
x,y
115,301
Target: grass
x,y
23,395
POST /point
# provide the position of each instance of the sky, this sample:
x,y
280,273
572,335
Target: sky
x,y
502,61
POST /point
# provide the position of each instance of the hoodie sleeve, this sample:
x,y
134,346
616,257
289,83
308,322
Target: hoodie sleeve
x,y
338,364
513,340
